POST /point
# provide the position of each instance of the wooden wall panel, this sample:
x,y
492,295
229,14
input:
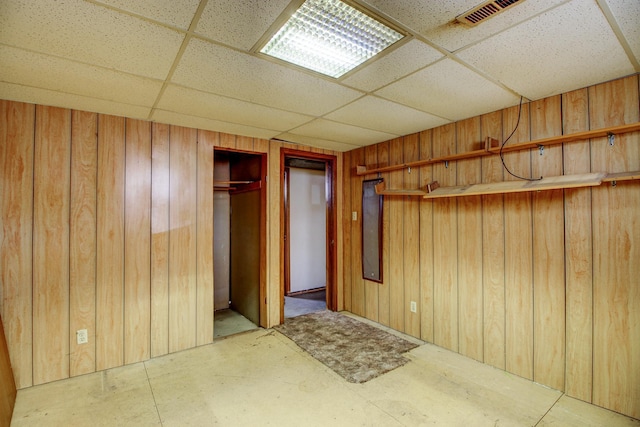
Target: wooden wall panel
x,y
137,242
371,307
548,250
51,186
469,243
182,238
228,141
411,247
579,253
159,240
110,242
276,247
204,249
518,253
17,124
357,282
557,286
493,256
445,247
426,306
383,288
616,248
347,236
395,206
8,391
82,241
244,143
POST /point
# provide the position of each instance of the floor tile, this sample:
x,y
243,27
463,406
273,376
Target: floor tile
x,y
120,396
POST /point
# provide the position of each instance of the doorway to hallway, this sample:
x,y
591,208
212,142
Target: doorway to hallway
x,y
309,232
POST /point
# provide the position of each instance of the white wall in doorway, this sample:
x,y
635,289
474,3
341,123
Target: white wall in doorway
x,y
308,229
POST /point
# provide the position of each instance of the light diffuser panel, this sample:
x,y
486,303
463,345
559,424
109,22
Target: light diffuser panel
x,y
330,37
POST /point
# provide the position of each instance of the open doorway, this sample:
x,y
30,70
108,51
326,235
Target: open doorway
x,y
239,229
308,219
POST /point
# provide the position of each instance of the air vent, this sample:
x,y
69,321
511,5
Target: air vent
x,y
485,11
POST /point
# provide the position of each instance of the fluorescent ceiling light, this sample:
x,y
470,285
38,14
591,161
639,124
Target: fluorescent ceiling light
x,y
330,37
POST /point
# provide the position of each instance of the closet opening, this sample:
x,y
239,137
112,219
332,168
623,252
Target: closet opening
x,y
309,233
239,241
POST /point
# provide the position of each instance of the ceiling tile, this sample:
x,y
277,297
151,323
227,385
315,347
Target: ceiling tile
x,y
172,12
57,74
223,71
340,132
627,14
453,35
33,95
422,16
89,33
317,142
172,118
239,23
560,38
402,61
450,90
206,105
385,116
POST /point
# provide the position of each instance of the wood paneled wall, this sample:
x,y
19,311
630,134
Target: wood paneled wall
x,y
107,225
543,285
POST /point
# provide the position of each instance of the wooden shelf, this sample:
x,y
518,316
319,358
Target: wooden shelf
x,y
432,191
492,148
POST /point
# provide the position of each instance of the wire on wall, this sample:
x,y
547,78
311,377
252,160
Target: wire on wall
x,y
505,142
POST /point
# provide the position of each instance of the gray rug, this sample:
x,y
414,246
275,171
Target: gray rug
x,y
356,351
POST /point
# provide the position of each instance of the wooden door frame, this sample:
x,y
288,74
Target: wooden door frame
x,y
331,164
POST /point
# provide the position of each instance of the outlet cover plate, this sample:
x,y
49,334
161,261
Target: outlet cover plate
x,y
82,336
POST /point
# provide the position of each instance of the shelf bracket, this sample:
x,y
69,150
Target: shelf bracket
x,y
612,138
409,170
541,149
446,164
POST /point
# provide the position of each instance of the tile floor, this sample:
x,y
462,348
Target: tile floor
x,y
260,378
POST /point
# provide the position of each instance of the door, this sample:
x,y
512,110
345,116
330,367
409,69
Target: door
x,y
245,254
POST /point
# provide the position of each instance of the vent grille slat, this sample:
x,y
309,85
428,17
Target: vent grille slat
x,y
485,10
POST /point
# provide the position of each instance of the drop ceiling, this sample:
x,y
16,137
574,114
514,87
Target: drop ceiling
x,y
193,63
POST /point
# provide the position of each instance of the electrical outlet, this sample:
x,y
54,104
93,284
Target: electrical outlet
x,y
82,336
354,216
414,307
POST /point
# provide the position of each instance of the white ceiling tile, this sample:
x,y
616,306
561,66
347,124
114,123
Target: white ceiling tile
x,y
89,33
386,116
449,90
34,95
317,142
560,38
340,132
172,12
57,74
223,71
453,36
172,118
627,15
206,105
239,23
423,16
402,61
